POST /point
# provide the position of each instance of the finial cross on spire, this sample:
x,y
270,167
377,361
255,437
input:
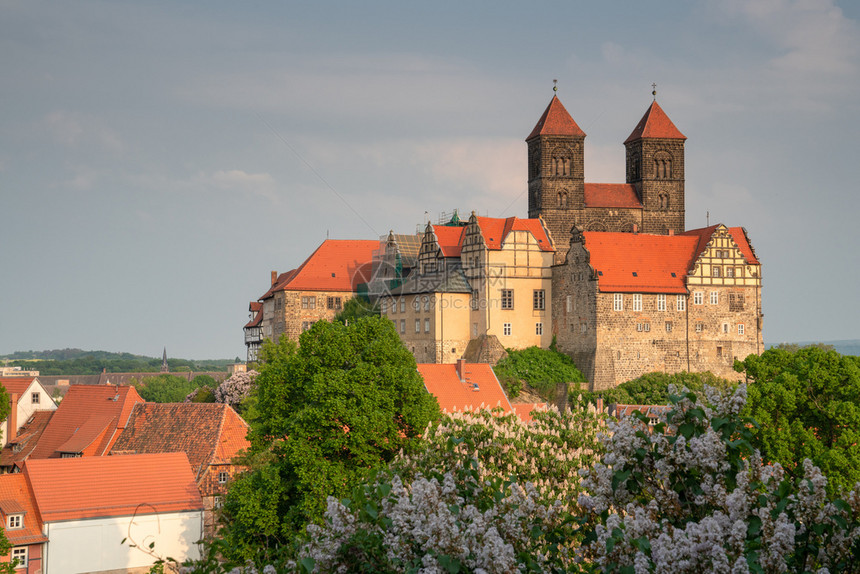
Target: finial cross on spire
x,y
555,85
654,91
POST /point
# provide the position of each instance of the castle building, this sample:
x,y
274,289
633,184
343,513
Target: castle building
x,y
651,200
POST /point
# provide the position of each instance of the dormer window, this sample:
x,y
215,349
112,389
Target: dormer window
x,y
15,522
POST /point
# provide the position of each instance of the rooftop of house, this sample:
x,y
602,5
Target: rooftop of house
x,y
21,447
464,386
496,230
611,195
208,433
644,263
16,497
17,385
104,486
87,421
336,265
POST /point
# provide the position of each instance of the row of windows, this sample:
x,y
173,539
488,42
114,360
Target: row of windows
x,y
538,299
718,270
736,301
507,329
700,327
310,302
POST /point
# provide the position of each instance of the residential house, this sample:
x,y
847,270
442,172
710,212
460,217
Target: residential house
x,y
22,523
114,513
464,386
26,396
211,435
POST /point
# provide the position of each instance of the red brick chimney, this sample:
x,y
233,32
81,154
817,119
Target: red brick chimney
x,y
671,232
461,369
635,228
12,421
274,278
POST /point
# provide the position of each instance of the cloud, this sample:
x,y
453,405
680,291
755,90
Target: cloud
x,y
235,180
74,130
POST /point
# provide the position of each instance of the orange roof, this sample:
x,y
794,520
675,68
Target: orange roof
x,y
655,124
611,195
95,413
496,230
555,121
639,263
208,433
336,265
256,308
19,449
101,486
479,387
738,234
450,239
16,497
17,385
524,410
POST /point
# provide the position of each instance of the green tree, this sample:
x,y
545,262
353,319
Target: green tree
x,y
5,405
541,369
356,308
5,545
328,412
808,405
165,388
653,388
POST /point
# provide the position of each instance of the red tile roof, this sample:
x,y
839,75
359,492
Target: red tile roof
x,y
524,410
281,280
256,308
21,447
555,121
207,433
738,234
82,410
496,230
450,239
336,265
480,387
655,124
102,486
16,496
615,257
611,195
17,385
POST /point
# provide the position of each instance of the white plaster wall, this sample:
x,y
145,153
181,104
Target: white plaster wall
x,y
96,545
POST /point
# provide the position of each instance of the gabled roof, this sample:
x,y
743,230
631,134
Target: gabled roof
x,y
738,234
611,195
103,486
17,385
84,409
208,433
655,124
495,231
449,239
16,497
555,121
479,387
336,265
660,262
257,309
279,283
21,447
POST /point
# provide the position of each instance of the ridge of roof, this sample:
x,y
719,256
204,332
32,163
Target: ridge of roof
x,y
17,385
479,388
449,239
336,265
555,121
655,124
495,231
611,195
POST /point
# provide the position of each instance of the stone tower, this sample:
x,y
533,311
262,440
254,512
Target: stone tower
x,y
556,172
655,167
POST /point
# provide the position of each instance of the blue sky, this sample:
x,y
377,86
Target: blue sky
x,y
158,159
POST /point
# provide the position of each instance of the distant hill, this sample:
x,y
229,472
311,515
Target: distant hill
x,y
844,346
80,362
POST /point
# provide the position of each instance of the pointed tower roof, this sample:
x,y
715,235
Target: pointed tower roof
x,y
655,124
555,121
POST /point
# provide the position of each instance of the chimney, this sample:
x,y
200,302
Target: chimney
x,y
635,228
671,232
12,421
461,369
599,405
274,278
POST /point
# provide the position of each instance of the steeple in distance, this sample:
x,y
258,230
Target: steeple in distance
x,y
164,367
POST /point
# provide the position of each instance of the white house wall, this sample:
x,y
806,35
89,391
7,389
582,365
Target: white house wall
x,y
95,545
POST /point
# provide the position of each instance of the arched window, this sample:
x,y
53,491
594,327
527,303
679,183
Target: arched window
x,y
562,199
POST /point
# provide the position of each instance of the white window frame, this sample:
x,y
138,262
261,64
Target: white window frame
x,y
20,552
668,326
569,302
740,328
538,328
661,302
35,398
15,522
637,301
506,329
699,327
618,302
698,298
403,305
715,297
417,325
426,303
223,477
716,271
426,324
681,304
507,297
539,300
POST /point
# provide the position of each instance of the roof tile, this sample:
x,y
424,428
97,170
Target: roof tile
x,y
611,195
655,124
555,121
16,496
479,387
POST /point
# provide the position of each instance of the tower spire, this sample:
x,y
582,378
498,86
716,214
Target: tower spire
x,y
654,91
164,367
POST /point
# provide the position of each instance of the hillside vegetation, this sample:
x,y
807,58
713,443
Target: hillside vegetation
x,y
541,369
79,362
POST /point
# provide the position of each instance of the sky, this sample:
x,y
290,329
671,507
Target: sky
x,y
159,159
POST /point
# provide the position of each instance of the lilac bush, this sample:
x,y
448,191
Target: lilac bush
x,y
236,388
